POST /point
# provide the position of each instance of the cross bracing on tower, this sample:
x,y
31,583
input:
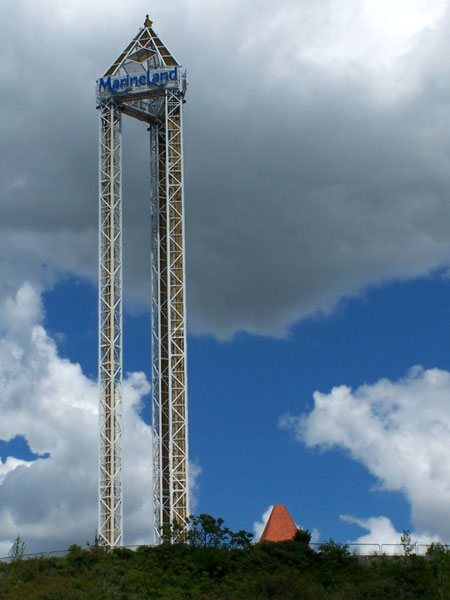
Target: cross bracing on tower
x,y
147,83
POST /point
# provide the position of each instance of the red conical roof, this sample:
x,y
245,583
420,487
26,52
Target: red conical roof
x,y
280,526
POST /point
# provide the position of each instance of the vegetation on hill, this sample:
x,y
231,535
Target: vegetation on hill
x,y
218,564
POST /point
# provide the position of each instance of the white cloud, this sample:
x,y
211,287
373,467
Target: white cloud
x,y
258,526
11,464
52,502
382,537
195,471
400,432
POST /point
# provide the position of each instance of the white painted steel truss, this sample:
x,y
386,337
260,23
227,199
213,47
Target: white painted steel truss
x,y
110,326
160,105
169,372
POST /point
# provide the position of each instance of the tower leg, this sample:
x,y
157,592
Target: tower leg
x,y
110,327
170,418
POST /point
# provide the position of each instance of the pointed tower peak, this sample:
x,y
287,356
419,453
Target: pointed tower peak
x,y
144,52
280,526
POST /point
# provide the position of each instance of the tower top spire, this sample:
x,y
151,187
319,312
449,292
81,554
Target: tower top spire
x,y
146,50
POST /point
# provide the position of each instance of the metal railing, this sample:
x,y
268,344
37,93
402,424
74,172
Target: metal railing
x,y
385,549
355,548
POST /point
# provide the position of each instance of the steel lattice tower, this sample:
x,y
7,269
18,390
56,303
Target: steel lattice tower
x,y
146,83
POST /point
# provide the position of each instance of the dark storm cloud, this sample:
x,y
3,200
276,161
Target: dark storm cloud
x,y
311,171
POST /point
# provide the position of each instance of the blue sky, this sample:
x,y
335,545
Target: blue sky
x,y
318,244
239,389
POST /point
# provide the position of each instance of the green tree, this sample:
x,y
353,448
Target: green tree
x,y
440,564
303,536
208,532
17,550
408,545
240,539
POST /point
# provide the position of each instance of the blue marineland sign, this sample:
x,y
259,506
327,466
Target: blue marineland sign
x,y
120,85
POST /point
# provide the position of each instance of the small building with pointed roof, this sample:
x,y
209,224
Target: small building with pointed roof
x,y
280,526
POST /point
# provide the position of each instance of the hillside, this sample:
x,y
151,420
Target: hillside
x,y
284,570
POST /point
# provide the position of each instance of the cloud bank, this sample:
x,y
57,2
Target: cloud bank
x,y
316,149
400,432
52,502
258,526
